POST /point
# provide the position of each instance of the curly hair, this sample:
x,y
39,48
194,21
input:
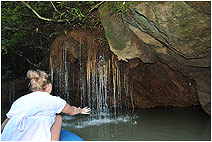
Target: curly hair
x,y
38,80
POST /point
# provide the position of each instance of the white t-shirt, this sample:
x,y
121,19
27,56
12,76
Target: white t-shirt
x,y
31,117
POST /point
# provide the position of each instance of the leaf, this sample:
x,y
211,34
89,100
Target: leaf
x,y
65,32
54,33
15,38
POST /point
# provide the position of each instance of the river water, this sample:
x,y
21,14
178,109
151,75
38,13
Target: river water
x,y
177,124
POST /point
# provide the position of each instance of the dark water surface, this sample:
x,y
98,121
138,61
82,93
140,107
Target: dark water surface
x,y
178,124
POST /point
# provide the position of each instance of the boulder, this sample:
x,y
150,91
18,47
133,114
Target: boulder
x,y
175,33
89,74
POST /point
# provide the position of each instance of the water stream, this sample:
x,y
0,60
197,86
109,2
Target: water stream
x,y
94,81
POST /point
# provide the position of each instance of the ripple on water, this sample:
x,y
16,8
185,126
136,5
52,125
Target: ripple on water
x,y
82,123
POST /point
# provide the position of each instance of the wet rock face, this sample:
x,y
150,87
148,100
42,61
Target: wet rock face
x,y
88,75
158,85
175,33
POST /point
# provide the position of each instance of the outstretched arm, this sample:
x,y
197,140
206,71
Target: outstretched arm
x,y
72,110
4,124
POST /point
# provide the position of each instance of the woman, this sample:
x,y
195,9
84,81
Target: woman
x,y
33,117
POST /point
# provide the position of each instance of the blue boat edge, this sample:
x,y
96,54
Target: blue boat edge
x,y
66,135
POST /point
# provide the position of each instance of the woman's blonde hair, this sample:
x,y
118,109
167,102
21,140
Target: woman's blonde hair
x,y
38,80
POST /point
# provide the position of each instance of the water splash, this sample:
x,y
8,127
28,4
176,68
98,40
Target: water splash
x,y
103,119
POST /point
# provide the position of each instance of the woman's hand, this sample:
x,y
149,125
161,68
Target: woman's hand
x,y
72,110
85,110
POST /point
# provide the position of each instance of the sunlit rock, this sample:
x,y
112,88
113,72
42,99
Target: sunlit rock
x,y
176,33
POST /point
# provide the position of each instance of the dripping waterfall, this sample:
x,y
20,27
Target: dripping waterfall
x,y
94,79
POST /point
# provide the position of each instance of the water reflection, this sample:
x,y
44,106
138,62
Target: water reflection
x,y
145,124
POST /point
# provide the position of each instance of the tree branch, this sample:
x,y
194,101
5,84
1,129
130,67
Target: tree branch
x,y
54,7
96,6
16,29
42,18
36,65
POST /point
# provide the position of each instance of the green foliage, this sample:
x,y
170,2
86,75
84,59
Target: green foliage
x,y
26,39
118,8
10,14
14,39
11,20
54,33
72,12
